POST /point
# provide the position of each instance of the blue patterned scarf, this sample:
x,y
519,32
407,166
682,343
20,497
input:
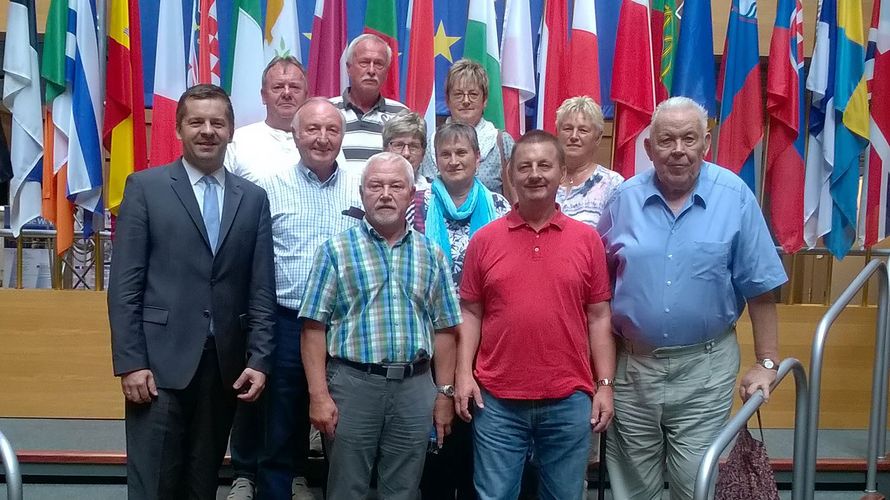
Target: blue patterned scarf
x,y
478,207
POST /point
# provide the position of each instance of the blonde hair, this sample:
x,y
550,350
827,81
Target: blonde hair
x,y
583,105
469,71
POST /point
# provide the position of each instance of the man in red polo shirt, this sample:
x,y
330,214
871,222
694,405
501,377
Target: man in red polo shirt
x,y
534,297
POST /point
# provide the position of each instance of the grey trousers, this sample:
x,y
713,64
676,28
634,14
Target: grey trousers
x,y
387,421
667,412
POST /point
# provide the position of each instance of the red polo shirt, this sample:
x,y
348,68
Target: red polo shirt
x,y
534,288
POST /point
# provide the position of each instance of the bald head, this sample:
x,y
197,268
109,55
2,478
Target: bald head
x,y
318,131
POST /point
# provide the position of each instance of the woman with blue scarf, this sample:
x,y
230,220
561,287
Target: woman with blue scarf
x,y
457,203
454,208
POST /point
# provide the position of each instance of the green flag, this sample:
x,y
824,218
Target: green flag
x,y
481,45
53,65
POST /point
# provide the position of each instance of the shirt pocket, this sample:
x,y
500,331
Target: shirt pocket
x,y
709,260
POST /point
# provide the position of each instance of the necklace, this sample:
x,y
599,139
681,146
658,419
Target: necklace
x,y
583,174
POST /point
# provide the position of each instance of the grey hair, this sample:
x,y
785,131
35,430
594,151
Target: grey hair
x,y
682,102
295,122
387,157
350,49
284,60
469,71
405,123
583,105
453,131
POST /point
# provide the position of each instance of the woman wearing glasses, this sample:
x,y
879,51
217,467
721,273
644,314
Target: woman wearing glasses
x,y
466,94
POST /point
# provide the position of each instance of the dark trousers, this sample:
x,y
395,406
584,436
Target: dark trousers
x,y
176,443
248,434
448,474
286,441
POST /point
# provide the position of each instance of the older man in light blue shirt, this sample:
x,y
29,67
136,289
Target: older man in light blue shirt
x,y
687,248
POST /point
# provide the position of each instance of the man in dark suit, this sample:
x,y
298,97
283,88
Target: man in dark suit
x,y
191,302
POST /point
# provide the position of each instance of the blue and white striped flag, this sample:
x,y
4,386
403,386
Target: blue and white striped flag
x,y
21,95
84,145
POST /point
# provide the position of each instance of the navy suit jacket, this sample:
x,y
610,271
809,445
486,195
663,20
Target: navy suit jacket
x,y
166,283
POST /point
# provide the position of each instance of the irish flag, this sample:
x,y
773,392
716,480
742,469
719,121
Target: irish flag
x,y
481,45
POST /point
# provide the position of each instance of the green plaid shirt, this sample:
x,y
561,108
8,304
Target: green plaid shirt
x,y
381,303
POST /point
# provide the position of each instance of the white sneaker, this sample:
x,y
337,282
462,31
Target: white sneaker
x,y
300,490
242,489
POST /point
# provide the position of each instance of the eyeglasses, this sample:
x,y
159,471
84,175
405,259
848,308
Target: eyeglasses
x,y
472,95
413,147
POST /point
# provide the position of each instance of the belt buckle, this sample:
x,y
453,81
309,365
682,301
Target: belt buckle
x,y
395,372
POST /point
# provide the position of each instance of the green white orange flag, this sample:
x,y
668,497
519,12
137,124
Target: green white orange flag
x,y
380,19
247,42
481,45
124,129
56,206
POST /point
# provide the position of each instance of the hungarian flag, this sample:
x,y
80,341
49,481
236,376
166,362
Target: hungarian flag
x,y
56,206
170,71
584,47
851,131
380,20
420,91
481,45
633,87
21,95
247,44
281,36
326,49
738,90
518,68
877,67
124,130
552,69
785,145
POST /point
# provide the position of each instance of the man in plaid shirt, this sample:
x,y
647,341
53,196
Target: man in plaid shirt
x,y
380,303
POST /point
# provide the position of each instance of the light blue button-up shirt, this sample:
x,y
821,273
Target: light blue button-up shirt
x,y
684,279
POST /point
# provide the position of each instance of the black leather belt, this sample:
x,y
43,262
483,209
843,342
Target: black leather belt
x,y
392,371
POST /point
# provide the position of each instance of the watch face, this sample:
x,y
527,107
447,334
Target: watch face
x,y
447,390
768,364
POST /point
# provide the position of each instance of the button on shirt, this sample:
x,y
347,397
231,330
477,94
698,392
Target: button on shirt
x,y
381,303
305,213
198,187
684,279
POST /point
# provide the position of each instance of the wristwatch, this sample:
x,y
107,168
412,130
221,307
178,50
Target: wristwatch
x,y
447,390
768,364
605,382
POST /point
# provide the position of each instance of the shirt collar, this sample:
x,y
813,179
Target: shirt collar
x,y
347,102
699,192
196,175
303,170
514,220
369,230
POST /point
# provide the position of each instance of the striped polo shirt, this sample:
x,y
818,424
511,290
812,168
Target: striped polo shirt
x,y
363,137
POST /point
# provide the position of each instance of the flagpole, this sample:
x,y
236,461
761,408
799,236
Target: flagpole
x,y
19,257
651,52
612,141
99,261
864,299
763,166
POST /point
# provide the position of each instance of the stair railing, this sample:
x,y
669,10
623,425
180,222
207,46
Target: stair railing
x,y
878,414
707,469
11,467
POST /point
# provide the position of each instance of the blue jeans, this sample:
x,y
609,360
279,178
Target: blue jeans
x,y
286,440
506,429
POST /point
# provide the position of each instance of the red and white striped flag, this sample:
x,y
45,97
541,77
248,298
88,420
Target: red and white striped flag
x,y
517,65
551,63
204,62
584,50
170,70
873,226
633,87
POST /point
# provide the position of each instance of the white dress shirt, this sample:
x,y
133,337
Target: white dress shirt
x,y
198,187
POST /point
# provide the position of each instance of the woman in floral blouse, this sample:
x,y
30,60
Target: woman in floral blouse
x,y
587,185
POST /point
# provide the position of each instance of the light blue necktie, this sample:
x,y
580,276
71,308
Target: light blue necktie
x,y
211,210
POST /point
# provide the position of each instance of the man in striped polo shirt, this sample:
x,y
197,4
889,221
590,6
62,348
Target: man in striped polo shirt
x,y
364,109
379,303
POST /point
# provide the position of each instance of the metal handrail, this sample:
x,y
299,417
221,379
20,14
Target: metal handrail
x,y
879,374
704,480
11,467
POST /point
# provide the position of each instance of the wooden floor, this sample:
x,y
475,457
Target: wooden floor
x,y
55,359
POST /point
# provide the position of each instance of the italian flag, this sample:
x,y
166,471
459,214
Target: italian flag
x,y
481,45
380,20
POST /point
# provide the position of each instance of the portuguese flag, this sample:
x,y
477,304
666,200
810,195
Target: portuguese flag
x,y
380,19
